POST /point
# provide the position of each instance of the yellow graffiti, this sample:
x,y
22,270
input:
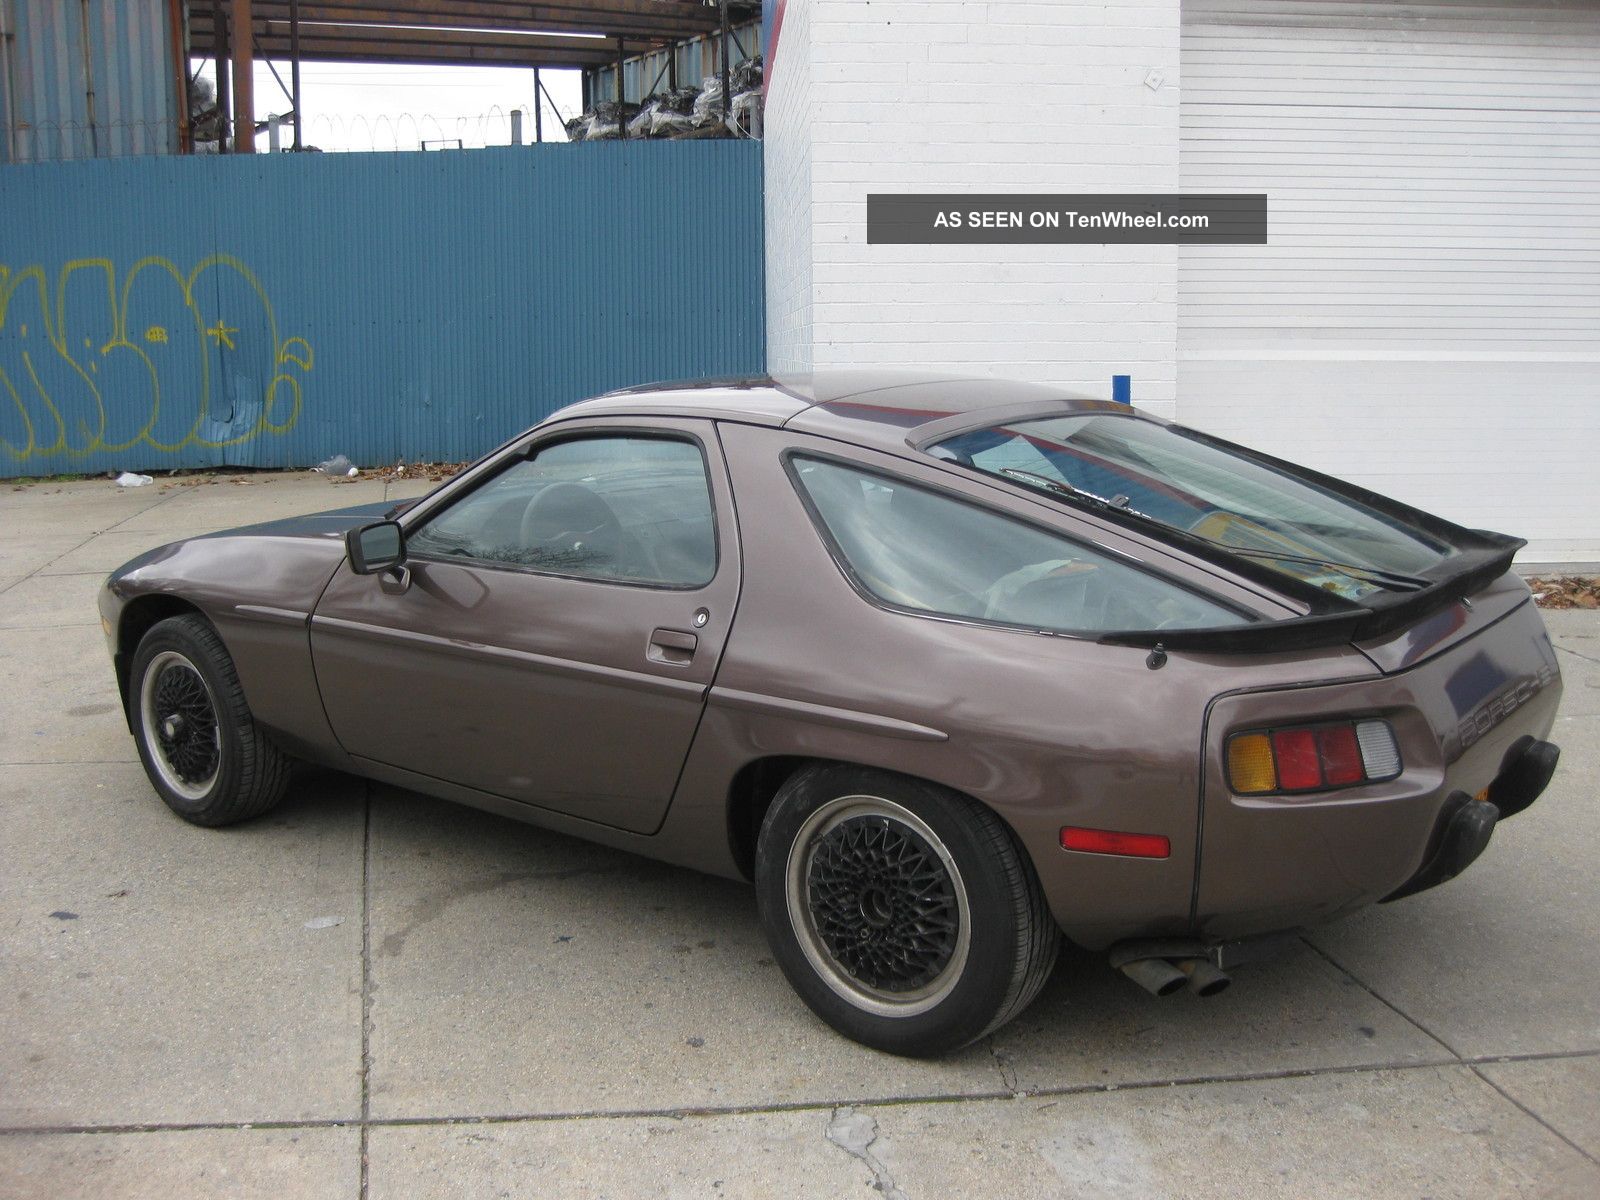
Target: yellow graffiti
x,y
222,334
228,389
301,357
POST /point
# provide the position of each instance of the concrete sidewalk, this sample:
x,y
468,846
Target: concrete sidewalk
x,y
502,1011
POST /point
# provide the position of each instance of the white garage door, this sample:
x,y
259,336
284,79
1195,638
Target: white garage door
x,y
1426,316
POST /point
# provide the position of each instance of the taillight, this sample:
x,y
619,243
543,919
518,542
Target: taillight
x,y
1312,758
1340,755
1299,763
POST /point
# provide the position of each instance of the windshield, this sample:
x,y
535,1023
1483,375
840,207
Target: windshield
x,y
1310,533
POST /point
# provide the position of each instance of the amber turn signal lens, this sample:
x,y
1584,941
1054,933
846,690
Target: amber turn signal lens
x,y
1250,765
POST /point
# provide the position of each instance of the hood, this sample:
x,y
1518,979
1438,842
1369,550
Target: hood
x,y
332,524
326,527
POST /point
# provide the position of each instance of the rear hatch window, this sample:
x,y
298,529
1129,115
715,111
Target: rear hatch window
x,y
1331,544
1308,533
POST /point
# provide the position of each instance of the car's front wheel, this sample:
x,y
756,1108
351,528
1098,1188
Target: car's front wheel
x,y
904,914
198,742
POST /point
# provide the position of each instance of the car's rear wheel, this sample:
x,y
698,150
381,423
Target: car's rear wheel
x,y
904,914
199,744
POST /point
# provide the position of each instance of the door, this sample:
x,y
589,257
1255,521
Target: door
x,y
559,627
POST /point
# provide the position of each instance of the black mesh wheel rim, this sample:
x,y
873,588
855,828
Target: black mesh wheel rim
x,y
878,905
178,719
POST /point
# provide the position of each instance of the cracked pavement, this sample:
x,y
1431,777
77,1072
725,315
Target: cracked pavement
x,y
372,993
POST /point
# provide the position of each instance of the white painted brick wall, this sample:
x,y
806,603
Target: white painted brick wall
x,y
974,96
1049,95
788,195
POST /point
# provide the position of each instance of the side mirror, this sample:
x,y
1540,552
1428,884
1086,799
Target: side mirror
x,y
375,548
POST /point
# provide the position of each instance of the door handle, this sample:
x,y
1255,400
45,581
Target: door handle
x,y
673,647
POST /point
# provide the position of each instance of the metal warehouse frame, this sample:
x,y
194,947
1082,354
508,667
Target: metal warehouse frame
x,y
547,33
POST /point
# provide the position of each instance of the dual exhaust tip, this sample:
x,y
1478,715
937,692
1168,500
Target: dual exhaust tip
x,y
1163,976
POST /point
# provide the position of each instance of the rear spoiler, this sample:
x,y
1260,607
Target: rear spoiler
x,y
1468,572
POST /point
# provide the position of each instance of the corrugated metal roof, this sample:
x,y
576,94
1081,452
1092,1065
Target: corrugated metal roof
x,y
87,79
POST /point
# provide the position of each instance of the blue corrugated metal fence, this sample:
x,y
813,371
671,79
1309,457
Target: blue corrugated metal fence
x,y
274,310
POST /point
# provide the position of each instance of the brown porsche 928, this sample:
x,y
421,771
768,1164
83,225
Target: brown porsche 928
x,y
946,667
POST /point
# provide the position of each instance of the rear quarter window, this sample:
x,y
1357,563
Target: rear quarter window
x,y
921,550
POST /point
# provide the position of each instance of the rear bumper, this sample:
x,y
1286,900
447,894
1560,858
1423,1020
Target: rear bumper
x,y
1466,824
1465,721
1527,772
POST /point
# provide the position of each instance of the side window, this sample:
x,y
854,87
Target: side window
x,y
626,508
920,549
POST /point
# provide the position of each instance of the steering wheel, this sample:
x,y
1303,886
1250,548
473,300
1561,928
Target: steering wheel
x,y
569,522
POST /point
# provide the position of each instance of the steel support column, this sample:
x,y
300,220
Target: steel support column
x,y
294,69
222,56
727,97
244,77
177,18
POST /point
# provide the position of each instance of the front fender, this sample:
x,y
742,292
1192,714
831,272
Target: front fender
x,y
258,591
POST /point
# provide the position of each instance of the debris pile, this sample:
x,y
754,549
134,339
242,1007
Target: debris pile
x,y
664,114
1566,591
681,112
433,472
605,121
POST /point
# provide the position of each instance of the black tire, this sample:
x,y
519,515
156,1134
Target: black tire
x,y
905,914
181,678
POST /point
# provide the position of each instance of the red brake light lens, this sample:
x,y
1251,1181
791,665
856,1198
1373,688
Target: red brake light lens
x,y
1299,767
1340,754
1312,758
